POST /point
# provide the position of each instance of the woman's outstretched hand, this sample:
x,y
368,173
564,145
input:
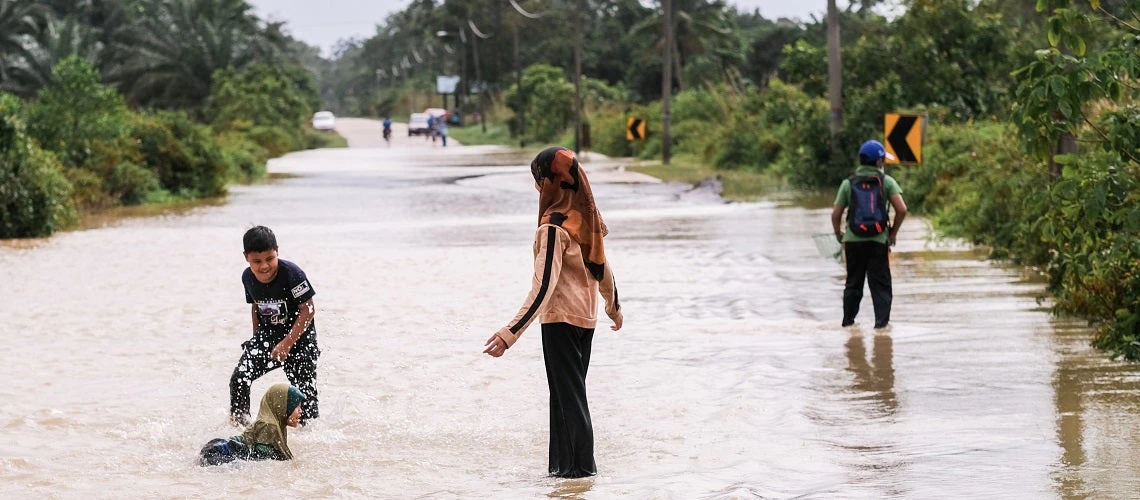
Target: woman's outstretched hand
x,y
495,346
617,321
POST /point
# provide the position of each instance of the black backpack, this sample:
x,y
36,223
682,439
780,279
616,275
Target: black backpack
x,y
867,214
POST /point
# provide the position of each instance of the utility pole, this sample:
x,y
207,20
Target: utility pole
x,y
519,87
463,68
478,78
578,76
834,75
667,80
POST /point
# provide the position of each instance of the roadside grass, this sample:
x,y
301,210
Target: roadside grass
x,y
472,135
316,139
739,185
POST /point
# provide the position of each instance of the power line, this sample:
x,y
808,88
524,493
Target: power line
x,y
524,13
475,30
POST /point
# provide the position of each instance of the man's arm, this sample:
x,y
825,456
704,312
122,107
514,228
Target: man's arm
x,y
304,317
837,221
900,215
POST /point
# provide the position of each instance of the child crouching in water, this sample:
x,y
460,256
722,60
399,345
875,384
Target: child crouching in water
x,y
267,437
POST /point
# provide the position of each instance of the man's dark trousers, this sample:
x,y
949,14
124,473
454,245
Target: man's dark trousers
x,y
867,259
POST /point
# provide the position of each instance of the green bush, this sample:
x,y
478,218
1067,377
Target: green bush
x,y
75,111
263,95
269,104
35,197
1093,230
187,159
131,184
246,158
549,102
977,184
549,107
607,133
316,139
274,140
87,190
740,147
698,104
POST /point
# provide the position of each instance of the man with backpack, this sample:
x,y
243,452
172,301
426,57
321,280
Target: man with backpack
x,y
869,234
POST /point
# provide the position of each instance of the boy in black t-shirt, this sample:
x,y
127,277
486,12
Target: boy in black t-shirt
x,y
284,332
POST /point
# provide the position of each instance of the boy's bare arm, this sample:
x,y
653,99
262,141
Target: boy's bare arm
x,y
900,214
304,317
837,219
253,309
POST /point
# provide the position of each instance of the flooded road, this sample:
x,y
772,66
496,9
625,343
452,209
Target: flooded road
x,y
731,378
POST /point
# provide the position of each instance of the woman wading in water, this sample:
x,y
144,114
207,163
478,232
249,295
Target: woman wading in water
x,y
570,269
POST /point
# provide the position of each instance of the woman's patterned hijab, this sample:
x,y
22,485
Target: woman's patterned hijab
x,y
566,200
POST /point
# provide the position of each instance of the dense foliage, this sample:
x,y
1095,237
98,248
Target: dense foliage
x,y
137,101
35,198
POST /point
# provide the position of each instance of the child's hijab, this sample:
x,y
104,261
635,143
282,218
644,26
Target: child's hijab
x,y
272,418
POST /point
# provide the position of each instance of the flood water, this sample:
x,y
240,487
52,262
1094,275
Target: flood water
x,y
731,378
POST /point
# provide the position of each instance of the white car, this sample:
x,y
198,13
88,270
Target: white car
x,y
324,120
418,124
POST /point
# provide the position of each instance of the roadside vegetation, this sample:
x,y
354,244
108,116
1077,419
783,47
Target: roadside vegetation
x,y
107,103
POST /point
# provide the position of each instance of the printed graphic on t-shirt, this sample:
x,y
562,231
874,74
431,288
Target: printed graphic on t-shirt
x,y
273,312
301,289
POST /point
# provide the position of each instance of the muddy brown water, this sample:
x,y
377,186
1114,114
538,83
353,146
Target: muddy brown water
x,y
732,378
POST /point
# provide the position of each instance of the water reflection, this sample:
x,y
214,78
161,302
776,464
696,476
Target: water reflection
x,y
572,488
877,461
874,381
1096,412
1070,431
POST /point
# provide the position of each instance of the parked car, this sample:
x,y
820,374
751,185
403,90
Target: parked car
x,y
324,120
436,112
418,124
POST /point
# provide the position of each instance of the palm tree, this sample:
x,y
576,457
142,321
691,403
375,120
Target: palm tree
x,y
20,21
699,26
171,54
58,40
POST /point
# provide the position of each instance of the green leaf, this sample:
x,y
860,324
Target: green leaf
x,y
1067,110
1042,5
1058,86
1076,44
1114,90
1133,224
1054,32
1065,159
1095,4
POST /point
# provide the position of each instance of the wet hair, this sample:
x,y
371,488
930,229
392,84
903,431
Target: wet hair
x,y
259,239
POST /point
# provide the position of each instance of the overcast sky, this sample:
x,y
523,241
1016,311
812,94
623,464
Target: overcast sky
x,y
323,22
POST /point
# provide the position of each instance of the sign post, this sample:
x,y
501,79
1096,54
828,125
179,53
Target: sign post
x,y
635,129
445,85
904,134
